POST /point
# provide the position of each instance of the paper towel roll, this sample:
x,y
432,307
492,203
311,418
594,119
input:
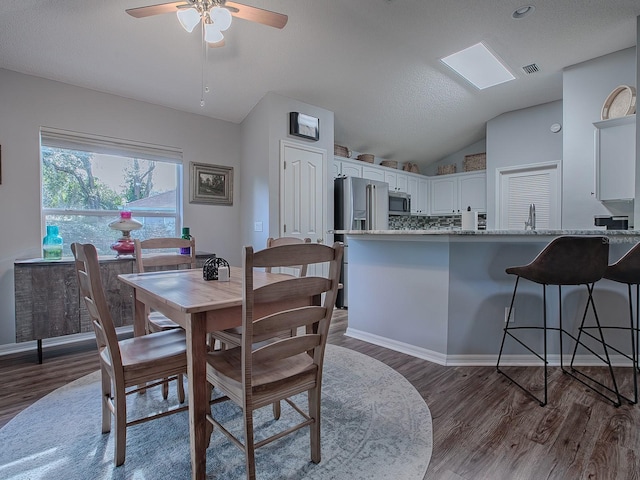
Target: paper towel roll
x,y
469,220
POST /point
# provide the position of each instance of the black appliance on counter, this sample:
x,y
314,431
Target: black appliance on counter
x,y
612,222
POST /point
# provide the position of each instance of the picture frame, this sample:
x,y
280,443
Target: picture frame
x,y
304,126
211,184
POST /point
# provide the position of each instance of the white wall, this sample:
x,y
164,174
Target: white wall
x,y
263,128
30,102
585,88
521,137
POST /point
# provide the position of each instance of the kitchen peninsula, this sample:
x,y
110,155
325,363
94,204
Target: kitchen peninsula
x,y
441,295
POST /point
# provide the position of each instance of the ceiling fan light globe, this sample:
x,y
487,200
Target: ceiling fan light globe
x,y
220,17
212,33
188,18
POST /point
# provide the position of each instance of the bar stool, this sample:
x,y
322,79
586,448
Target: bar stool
x,y
566,260
626,270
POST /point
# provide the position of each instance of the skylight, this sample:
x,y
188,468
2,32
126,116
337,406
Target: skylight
x,y
479,66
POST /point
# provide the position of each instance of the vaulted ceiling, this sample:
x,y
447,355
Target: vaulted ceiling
x,y
374,63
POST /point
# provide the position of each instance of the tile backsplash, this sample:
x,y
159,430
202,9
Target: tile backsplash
x,y
414,222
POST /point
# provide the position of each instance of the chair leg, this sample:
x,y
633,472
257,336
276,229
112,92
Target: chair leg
x,y
249,449
106,396
180,382
314,428
634,354
165,389
276,410
120,414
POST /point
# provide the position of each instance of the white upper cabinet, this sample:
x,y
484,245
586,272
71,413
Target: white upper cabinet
x,y
452,194
343,167
373,173
472,192
615,150
441,195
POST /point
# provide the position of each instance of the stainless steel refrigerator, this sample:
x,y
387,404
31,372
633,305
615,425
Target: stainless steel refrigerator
x,y
359,204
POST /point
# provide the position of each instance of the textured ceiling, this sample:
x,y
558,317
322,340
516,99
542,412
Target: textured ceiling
x,y
374,63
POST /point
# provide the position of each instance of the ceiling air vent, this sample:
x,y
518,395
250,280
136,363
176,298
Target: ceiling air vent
x,y
533,68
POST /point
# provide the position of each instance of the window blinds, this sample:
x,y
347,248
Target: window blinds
x,y
52,137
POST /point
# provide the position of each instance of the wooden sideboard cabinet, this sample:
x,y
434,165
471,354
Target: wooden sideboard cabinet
x,y
47,299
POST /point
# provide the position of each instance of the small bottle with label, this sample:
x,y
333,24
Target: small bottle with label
x,y
187,236
52,244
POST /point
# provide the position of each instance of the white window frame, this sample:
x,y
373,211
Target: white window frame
x,y
57,138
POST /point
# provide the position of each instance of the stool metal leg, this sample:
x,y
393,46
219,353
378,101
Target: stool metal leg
x,y
634,352
606,360
544,359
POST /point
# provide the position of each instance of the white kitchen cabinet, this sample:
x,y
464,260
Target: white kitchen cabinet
x,y
422,207
373,173
451,194
402,183
615,150
392,179
472,192
413,191
343,167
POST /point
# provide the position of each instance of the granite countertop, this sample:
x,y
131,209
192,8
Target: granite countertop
x,y
606,233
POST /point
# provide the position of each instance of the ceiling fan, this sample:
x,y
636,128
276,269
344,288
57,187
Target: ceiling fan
x,y
215,16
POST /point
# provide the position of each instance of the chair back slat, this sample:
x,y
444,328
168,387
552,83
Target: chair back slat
x,y
288,320
287,347
148,260
276,242
292,288
92,292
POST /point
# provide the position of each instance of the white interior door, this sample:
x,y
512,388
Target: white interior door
x,y
302,192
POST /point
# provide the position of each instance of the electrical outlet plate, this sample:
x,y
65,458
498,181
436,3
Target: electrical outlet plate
x,y
506,315
257,226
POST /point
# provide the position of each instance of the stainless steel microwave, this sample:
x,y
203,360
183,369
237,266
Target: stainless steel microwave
x,y
399,203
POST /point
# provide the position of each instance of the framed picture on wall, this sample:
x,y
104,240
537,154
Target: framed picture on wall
x,y
211,184
304,126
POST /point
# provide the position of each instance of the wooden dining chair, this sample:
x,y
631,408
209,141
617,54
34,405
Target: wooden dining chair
x,y
231,337
254,375
167,256
147,360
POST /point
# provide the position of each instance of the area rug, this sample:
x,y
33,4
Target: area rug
x,y
375,425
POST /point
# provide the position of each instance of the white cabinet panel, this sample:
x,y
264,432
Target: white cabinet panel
x,y
444,196
347,168
472,192
454,193
392,179
413,191
615,158
402,183
422,207
373,173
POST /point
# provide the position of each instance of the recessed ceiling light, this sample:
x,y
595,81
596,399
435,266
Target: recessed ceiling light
x,y
479,66
523,11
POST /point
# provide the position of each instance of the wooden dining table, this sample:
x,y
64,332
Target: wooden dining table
x,y
199,307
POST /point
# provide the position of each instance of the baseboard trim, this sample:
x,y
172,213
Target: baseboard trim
x,y
523,360
397,346
66,340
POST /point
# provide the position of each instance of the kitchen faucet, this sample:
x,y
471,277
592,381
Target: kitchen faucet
x,y
530,224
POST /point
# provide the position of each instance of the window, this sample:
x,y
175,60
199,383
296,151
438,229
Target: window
x,y
87,180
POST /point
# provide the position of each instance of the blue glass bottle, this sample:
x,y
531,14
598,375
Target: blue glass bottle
x,y
52,244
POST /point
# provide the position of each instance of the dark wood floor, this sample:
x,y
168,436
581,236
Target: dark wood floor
x,y
483,426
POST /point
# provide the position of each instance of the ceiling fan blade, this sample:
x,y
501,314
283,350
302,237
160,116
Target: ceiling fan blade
x,y
159,9
255,14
